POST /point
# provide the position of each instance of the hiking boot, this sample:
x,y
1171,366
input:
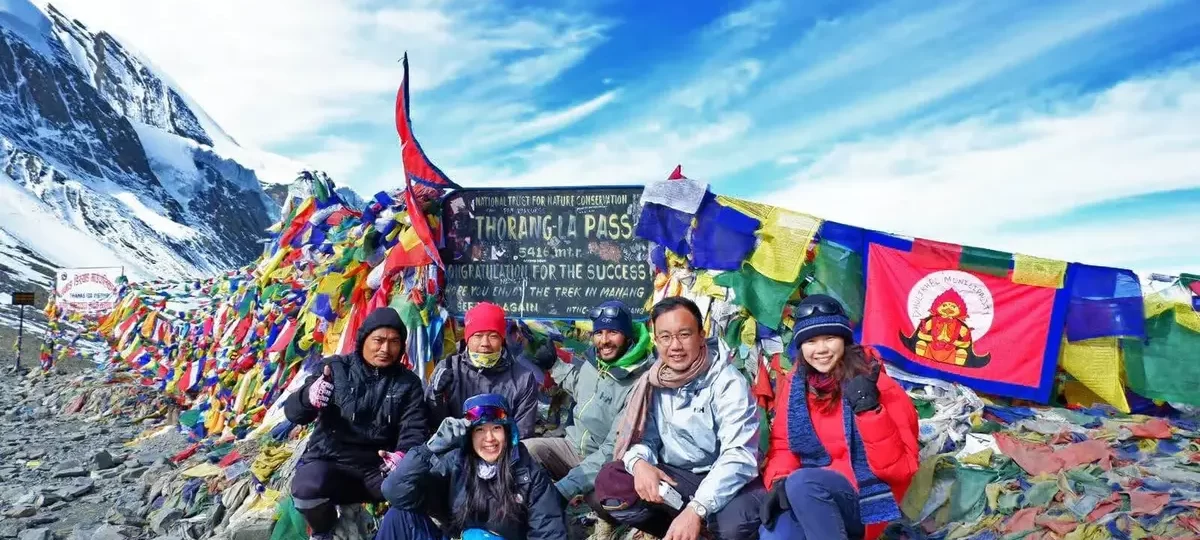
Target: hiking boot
x,y
604,530
321,536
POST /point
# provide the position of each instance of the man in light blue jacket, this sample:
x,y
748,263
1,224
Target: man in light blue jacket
x,y
690,423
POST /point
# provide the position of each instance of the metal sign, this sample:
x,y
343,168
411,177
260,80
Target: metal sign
x,y
545,253
22,299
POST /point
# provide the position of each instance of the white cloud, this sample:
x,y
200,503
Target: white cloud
x,y
960,182
339,157
272,71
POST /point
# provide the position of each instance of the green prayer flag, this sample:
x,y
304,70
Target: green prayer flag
x,y
838,272
763,296
985,261
1167,365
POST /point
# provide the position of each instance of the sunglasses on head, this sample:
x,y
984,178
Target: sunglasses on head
x,y
824,308
604,312
485,413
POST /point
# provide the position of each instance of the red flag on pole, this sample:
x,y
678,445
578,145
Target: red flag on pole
x,y
428,181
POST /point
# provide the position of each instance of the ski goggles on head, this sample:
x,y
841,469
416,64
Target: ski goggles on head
x,y
485,414
823,308
604,312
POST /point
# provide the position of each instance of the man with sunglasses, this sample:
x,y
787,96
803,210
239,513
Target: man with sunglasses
x,y
599,383
483,365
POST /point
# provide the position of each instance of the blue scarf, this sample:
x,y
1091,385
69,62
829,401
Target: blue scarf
x,y
876,502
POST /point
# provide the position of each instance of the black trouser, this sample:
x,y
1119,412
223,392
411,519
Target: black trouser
x,y
738,520
320,485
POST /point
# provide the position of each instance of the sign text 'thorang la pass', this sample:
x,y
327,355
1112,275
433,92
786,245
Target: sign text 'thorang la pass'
x,y
545,253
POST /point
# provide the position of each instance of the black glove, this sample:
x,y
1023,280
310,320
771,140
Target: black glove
x,y
863,391
443,379
545,356
774,504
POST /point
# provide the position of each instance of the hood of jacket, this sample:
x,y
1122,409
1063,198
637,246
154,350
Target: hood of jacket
x,y
633,362
385,317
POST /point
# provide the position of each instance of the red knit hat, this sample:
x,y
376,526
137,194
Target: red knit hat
x,y
483,317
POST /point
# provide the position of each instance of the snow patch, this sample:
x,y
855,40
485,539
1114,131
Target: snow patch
x,y
31,222
154,220
171,159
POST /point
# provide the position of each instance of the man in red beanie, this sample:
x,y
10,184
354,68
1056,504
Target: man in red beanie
x,y
483,366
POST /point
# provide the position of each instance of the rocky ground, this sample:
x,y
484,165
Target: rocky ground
x,y
70,475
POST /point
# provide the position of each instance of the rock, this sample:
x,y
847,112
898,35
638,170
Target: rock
x,y
20,511
69,469
149,458
41,520
77,437
75,491
108,532
162,519
132,475
34,534
256,531
103,460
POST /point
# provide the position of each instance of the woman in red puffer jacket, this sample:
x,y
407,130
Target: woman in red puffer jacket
x,y
843,446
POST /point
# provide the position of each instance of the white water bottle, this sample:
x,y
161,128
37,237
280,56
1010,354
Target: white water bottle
x,y
670,496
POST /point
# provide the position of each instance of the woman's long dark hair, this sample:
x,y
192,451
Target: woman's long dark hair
x,y
494,500
854,363
856,360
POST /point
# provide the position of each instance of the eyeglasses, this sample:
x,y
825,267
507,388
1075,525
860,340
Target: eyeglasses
x,y
824,308
485,413
606,312
665,340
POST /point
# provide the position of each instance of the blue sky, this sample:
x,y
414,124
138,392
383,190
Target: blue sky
x,y
1061,129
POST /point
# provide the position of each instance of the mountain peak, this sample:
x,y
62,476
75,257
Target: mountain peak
x,y
99,145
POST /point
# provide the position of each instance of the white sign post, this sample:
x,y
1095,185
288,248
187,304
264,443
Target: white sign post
x,y
89,291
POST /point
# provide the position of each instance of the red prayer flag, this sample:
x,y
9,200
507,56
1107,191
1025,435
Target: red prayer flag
x,y
936,254
430,181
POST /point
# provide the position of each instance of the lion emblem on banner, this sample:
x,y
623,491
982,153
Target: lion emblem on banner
x,y
950,311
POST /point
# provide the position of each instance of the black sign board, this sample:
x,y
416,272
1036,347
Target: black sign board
x,y
22,299
550,253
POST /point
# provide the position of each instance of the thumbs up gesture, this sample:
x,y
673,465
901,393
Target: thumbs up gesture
x,y
320,390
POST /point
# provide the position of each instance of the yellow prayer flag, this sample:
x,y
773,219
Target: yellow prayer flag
x,y
755,210
1097,364
409,239
785,238
330,284
1038,272
705,286
749,332
333,335
1187,317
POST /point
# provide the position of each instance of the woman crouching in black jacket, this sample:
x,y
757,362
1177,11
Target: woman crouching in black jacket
x,y
476,477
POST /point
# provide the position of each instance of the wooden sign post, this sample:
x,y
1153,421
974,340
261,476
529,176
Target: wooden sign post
x,y
21,299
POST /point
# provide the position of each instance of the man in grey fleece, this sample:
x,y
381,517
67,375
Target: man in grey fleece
x,y
599,382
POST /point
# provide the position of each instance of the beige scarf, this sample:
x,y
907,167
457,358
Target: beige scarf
x,y
660,375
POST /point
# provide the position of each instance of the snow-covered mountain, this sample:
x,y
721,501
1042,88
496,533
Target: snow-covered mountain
x,y
104,161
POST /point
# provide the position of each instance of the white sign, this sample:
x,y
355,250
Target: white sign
x,y
90,291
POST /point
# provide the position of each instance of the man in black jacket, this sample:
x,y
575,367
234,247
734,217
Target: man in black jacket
x,y
369,410
484,365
